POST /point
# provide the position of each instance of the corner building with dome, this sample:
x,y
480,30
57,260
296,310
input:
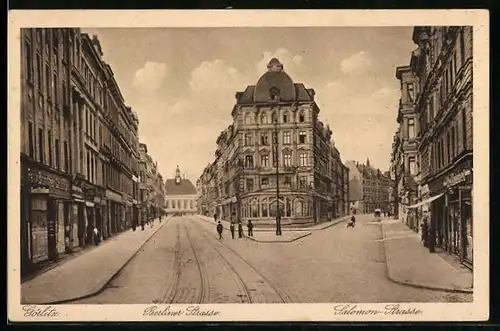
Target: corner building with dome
x,y
276,142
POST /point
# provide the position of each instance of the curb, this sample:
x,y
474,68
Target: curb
x,y
340,220
113,276
271,241
416,285
278,241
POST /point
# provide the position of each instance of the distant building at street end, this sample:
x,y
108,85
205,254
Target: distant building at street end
x,y
180,195
368,188
276,142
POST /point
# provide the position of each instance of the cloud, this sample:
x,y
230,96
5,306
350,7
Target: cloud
x,y
358,114
150,77
358,62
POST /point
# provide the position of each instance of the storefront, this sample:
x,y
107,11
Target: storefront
x,y
452,212
458,187
114,202
77,218
49,191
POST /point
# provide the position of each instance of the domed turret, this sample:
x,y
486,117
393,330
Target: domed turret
x,y
275,84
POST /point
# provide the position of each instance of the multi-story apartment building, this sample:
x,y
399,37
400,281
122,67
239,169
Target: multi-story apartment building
x,y
46,139
407,144
369,188
442,64
77,156
276,157
151,186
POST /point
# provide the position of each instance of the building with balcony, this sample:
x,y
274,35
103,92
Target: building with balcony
x,y
276,157
406,144
181,196
443,66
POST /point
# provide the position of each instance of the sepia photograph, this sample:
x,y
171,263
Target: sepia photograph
x,y
197,170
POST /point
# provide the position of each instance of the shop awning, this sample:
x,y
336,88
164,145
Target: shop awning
x,y
426,201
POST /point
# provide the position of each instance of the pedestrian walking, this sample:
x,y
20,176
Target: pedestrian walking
x,y
215,218
425,232
240,230
351,222
250,228
231,228
219,230
142,225
96,236
160,217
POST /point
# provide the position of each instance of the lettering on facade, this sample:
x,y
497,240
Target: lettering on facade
x,y
458,178
41,180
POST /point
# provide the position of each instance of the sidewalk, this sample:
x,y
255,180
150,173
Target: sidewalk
x,y
409,263
262,235
88,273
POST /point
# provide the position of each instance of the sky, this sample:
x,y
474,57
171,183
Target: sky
x,y
182,83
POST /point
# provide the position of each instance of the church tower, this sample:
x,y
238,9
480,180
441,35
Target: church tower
x,y
177,176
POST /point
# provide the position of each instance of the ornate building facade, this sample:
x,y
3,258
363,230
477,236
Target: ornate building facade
x,y
79,146
277,156
442,66
406,148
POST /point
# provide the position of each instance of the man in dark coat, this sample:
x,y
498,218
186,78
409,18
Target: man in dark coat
x,y
250,228
219,230
232,230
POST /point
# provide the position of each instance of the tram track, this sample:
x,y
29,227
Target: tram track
x,y
264,287
181,286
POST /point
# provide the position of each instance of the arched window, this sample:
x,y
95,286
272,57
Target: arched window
x,y
274,94
288,208
255,209
273,211
299,207
263,118
264,208
302,117
286,118
274,117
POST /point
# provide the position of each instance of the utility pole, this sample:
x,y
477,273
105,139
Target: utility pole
x,y
276,159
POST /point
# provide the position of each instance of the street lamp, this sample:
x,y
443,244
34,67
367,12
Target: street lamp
x,y
276,159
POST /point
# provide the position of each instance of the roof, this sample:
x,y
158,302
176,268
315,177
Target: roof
x,y
275,79
185,187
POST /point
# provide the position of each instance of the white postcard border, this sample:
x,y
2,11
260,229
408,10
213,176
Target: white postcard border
x,y
477,310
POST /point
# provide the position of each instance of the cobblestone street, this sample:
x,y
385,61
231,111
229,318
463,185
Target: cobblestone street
x,y
184,262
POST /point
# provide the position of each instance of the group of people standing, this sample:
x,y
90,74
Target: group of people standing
x,y
232,228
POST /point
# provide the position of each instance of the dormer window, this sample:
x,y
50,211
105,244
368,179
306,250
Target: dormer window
x,y
274,94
